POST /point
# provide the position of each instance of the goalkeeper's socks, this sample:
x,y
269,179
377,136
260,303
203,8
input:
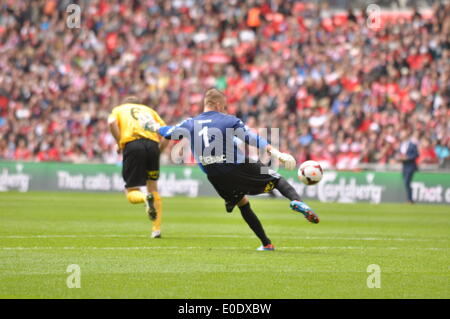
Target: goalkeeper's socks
x,y
287,190
136,196
252,220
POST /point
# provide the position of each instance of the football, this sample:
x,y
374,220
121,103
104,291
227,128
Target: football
x,y
310,172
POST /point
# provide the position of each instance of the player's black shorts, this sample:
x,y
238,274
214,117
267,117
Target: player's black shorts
x,y
140,162
244,179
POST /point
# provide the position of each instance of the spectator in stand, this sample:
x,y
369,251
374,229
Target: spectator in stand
x,y
22,153
443,154
427,153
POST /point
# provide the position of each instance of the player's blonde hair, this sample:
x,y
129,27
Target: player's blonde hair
x,y
214,100
131,99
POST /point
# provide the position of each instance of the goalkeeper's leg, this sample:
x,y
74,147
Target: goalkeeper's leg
x,y
287,190
253,222
296,203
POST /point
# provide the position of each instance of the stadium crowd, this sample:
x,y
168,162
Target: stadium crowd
x,y
339,88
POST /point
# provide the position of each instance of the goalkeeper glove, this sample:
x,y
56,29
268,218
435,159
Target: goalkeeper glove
x,y
287,159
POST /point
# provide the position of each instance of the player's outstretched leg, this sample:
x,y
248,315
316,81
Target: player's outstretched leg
x,y
253,222
296,203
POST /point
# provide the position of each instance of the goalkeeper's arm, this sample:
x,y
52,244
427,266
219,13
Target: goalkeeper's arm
x,y
175,132
253,139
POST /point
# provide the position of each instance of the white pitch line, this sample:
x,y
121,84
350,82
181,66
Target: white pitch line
x,y
333,238
70,236
225,236
209,248
111,248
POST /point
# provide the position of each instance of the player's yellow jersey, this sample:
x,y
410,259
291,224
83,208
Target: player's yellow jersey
x,y
127,117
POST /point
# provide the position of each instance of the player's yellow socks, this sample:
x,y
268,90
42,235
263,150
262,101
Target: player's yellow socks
x,y
158,206
136,196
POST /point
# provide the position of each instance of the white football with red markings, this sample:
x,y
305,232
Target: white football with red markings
x,y
310,172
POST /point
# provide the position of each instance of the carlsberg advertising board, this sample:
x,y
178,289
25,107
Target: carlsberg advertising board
x,y
344,187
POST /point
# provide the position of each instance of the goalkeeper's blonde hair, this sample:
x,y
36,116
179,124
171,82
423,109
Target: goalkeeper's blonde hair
x,y
214,100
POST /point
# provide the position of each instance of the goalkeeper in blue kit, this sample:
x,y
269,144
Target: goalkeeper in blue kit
x,y
213,139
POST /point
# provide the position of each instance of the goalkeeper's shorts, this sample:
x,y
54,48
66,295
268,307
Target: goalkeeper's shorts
x,y
140,162
244,179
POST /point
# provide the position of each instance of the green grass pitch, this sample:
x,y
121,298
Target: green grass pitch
x,y
208,253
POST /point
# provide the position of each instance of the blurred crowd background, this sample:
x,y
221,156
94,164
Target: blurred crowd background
x,y
339,87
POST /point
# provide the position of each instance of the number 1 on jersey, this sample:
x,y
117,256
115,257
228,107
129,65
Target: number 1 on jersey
x,y
204,132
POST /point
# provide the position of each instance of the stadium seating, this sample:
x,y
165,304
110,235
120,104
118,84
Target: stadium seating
x,y
339,90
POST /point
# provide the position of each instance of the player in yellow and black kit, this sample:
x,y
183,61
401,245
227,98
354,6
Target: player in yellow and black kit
x,y
141,150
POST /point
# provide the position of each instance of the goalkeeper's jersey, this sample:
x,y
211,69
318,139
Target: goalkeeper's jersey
x,y
127,117
214,139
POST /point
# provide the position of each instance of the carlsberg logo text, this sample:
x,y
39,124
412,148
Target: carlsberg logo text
x,y
14,180
344,190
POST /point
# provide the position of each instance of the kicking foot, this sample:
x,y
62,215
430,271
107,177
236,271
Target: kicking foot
x,y
150,207
301,207
267,247
156,234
